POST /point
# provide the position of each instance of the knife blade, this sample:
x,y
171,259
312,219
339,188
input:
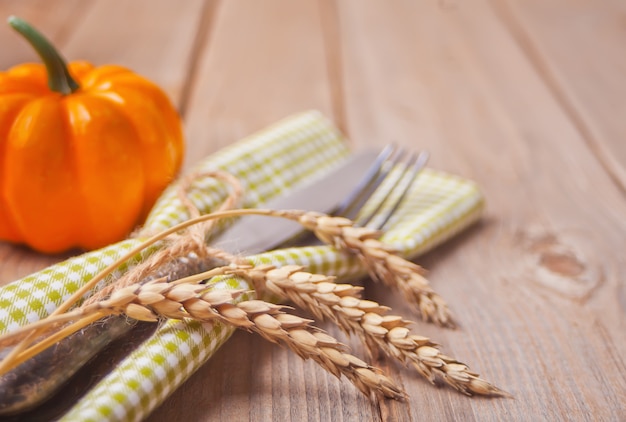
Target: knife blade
x,y
254,234
35,381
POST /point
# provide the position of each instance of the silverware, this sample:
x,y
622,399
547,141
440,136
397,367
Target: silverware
x,y
34,381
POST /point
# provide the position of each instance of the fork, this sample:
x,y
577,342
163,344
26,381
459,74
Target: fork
x,y
371,204
391,168
377,196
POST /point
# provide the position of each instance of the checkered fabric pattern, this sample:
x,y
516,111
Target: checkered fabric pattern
x,y
295,150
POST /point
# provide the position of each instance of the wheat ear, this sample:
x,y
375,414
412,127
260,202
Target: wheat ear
x,y
382,262
369,320
158,299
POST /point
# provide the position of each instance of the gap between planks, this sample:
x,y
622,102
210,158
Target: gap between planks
x,y
330,25
200,41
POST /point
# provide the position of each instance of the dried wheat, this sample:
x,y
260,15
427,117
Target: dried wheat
x,y
339,302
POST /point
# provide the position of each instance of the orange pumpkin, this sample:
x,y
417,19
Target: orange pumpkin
x,y
84,152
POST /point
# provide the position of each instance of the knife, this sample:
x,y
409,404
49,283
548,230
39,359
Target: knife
x,y
36,380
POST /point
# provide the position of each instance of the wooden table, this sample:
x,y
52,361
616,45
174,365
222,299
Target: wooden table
x,y
526,97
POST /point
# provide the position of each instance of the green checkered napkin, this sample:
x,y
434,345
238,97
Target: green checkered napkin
x,y
283,156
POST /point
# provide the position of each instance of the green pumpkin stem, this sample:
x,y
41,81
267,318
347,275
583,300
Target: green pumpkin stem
x,y
59,78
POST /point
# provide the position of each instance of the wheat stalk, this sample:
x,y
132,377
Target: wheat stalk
x,y
369,320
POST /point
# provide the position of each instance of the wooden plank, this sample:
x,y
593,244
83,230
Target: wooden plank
x,y
578,48
262,61
37,12
155,38
536,287
158,46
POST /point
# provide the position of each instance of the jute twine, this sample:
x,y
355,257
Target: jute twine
x,y
192,241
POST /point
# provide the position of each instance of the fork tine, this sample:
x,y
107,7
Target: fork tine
x,y
374,176
409,174
386,177
399,186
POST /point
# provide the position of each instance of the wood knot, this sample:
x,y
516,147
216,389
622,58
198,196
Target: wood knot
x,y
562,262
561,265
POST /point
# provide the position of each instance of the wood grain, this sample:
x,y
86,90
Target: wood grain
x,y
261,62
36,12
484,111
525,97
582,66
154,38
